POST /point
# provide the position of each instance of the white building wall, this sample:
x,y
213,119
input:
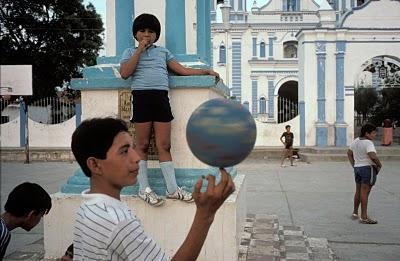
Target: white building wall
x,y
309,69
10,133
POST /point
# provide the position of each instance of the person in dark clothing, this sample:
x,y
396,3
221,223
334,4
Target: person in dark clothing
x,y
27,203
288,143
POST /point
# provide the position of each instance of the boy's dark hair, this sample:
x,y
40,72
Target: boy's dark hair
x,y
144,21
93,138
367,128
287,126
27,197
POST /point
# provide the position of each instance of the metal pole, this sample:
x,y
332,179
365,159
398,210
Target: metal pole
x,y
26,131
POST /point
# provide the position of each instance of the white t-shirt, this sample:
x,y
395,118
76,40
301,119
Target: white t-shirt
x,y
105,229
360,148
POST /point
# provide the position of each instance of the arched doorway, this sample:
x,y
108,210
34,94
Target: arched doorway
x,y
287,101
377,92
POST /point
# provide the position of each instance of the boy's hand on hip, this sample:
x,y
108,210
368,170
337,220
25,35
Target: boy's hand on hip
x,y
213,73
209,201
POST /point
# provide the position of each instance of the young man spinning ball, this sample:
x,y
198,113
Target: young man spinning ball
x,y
105,228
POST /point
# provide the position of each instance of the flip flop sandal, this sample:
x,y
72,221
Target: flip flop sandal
x,y
368,221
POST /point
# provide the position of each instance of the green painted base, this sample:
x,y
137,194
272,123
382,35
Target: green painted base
x,y
184,177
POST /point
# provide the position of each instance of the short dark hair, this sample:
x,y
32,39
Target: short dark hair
x,y
93,138
27,197
287,126
367,128
144,21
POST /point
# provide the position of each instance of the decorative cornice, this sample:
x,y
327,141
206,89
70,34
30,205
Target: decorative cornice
x,y
284,12
273,62
265,27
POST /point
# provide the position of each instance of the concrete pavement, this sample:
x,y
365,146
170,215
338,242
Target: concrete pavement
x,y
316,196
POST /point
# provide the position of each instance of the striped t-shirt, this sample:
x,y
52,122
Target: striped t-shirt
x,y
4,238
105,229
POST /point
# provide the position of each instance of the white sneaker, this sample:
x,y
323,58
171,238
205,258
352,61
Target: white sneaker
x,y
150,197
181,194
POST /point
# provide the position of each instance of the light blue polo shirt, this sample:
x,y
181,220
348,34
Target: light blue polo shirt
x,y
151,71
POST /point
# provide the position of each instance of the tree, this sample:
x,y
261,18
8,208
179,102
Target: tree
x,y
364,101
388,106
56,37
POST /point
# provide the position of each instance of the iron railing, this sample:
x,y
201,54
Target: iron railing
x,y
287,109
50,110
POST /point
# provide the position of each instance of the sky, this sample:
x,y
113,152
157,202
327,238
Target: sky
x,y
100,6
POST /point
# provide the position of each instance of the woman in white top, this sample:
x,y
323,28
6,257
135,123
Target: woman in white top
x,y
366,164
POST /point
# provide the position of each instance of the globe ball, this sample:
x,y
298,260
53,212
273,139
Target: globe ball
x,y
221,132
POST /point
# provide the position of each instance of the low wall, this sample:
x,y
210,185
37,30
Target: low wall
x,y
268,134
40,135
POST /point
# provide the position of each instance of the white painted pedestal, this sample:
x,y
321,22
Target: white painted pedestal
x,y
168,224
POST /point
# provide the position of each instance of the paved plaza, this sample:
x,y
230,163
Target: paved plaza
x,y
316,197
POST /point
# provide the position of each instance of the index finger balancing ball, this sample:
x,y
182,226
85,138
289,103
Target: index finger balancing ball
x,y
221,132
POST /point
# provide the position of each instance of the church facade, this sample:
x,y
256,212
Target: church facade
x,y
298,62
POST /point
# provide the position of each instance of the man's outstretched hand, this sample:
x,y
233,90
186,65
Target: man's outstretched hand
x,y
209,201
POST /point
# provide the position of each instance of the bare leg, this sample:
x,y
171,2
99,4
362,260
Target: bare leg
x,y
284,156
142,133
357,198
365,189
162,131
290,153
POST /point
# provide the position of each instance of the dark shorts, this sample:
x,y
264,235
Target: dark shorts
x,y
150,105
365,175
288,145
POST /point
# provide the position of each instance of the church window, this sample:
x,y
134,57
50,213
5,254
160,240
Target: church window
x,y
262,49
222,54
263,105
290,49
291,5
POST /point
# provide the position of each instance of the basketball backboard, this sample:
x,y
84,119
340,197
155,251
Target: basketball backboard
x,y
16,80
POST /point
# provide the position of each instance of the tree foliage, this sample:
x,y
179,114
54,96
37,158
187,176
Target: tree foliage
x,y
376,106
56,37
364,101
388,106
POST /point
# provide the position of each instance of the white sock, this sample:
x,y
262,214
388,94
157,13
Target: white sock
x,y
142,177
168,171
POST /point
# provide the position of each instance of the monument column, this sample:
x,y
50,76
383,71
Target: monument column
x,y
119,26
175,29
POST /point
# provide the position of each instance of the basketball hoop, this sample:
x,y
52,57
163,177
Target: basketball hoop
x,y
7,89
